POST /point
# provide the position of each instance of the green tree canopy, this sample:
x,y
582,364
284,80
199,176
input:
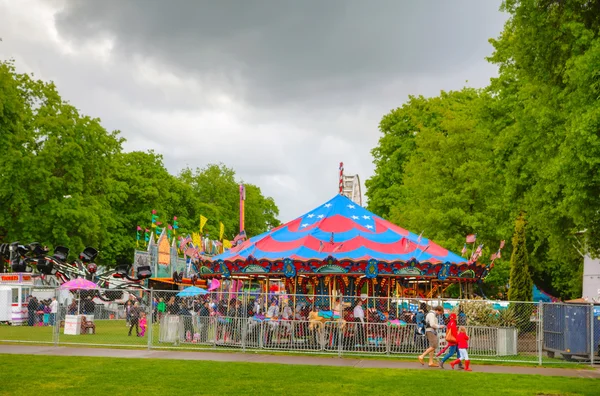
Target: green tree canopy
x,y
471,161
65,180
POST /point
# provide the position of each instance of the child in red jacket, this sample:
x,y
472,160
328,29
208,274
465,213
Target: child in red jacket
x,y
462,340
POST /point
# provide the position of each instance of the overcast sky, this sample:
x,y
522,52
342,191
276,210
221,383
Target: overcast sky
x,y
280,90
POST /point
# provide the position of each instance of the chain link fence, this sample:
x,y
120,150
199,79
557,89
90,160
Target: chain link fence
x,y
524,332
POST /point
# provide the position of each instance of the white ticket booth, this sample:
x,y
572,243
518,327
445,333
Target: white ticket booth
x,y
20,285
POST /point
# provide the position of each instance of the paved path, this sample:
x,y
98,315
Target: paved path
x,y
279,359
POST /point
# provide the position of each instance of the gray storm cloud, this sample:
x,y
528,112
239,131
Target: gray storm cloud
x,y
280,90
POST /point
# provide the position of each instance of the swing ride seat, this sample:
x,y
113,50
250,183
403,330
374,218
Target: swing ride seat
x,y
88,255
45,266
61,254
144,272
121,271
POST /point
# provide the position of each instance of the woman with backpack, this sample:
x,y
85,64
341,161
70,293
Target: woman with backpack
x,y
431,327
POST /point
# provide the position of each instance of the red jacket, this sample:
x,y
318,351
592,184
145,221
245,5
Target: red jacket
x,y
451,328
462,339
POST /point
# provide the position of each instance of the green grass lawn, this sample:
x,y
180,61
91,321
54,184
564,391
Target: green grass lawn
x,y
114,333
54,375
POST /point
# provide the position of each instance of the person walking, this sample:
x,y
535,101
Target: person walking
x,y
143,324
53,310
463,344
431,327
134,317
451,334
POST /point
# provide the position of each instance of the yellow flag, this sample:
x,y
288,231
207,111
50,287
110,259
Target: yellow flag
x,y
196,240
203,221
221,230
226,244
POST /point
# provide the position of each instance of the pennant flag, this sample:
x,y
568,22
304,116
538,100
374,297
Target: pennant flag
x,y
464,250
175,225
221,230
471,238
501,244
405,244
479,249
147,235
139,228
154,219
170,226
338,247
498,255
137,236
196,239
493,256
203,221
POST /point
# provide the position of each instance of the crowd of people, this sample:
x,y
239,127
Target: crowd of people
x,y
456,338
41,312
360,321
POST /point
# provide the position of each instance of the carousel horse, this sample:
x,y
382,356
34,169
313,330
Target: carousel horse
x,y
317,320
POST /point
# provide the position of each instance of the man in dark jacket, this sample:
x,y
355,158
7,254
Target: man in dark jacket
x,y
135,318
31,309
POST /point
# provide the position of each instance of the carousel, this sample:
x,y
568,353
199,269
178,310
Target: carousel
x,y
340,249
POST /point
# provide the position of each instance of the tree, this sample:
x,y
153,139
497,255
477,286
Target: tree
x,y
65,180
521,285
533,139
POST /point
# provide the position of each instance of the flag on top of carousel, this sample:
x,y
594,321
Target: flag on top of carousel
x,y
344,230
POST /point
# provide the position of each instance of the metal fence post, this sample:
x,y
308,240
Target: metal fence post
x,y
244,324
592,334
149,319
57,315
338,326
540,332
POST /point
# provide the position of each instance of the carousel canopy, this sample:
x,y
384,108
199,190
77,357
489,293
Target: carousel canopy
x,y
342,230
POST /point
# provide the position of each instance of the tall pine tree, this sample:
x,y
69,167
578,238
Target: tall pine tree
x,y
521,285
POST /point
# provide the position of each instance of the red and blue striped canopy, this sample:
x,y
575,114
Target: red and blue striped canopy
x,y
345,231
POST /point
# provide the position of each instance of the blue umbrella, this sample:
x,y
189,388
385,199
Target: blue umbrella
x,y
191,292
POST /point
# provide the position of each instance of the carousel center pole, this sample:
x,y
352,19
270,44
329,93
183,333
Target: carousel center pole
x,y
242,200
341,178
295,283
389,293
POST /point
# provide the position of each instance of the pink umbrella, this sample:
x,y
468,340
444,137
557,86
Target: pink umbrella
x,y
78,284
